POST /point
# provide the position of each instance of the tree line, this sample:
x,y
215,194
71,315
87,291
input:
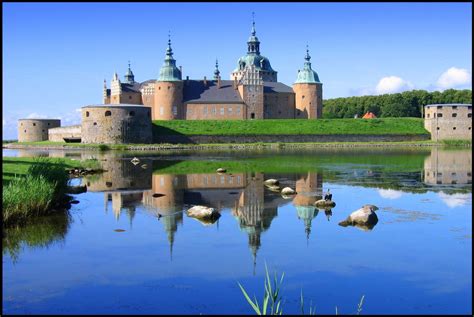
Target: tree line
x,y
405,104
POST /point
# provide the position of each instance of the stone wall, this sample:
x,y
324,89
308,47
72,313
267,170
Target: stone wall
x,y
279,105
205,139
117,124
215,111
34,130
62,134
449,121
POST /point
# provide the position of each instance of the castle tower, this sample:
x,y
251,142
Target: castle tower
x,y
168,90
253,57
308,92
251,91
106,95
129,77
115,89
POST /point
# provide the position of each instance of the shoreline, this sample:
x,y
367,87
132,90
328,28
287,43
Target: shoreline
x,y
230,146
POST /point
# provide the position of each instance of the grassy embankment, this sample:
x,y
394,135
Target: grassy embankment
x,y
35,186
413,126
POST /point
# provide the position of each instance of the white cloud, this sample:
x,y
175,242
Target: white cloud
x,y
390,193
454,78
455,200
392,84
35,115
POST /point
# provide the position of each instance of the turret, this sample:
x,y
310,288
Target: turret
x,y
308,92
251,91
106,94
168,90
129,77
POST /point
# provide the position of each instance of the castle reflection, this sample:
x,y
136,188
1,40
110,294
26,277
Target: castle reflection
x,y
167,196
451,167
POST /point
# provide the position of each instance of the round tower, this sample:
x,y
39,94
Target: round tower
x,y
168,90
34,130
308,92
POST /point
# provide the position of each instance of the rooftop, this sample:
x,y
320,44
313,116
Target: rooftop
x,y
450,105
121,105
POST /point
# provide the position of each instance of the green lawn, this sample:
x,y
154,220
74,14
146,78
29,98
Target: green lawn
x,y
320,126
19,166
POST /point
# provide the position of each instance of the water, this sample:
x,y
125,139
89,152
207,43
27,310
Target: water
x,y
123,251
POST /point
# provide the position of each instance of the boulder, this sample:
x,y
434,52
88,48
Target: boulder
x,y
221,170
202,212
275,189
323,204
364,218
288,191
272,182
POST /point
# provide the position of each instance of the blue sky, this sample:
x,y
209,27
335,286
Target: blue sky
x,y
56,55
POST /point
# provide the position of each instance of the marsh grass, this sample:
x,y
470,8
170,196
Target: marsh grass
x,y
272,300
42,189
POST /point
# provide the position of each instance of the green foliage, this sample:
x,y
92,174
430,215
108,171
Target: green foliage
x,y
104,147
405,104
272,297
290,127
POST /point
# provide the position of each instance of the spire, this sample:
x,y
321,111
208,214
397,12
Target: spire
x,y
129,77
169,71
216,71
105,84
307,74
253,24
253,43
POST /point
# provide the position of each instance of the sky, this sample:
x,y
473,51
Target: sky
x,y
57,55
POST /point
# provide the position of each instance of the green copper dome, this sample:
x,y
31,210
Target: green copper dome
x,y
169,71
260,62
307,75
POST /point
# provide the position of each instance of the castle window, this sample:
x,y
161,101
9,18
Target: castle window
x,y
427,115
34,124
21,124
469,115
108,113
454,128
129,97
440,115
169,87
469,128
454,115
204,110
48,123
43,130
25,131
87,113
214,110
437,128
175,110
455,107
252,115
302,97
132,113
439,107
229,110
95,123
108,184
159,88
222,111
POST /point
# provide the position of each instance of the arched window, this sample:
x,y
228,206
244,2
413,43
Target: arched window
x,y
108,113
34,124
87,113
95,123
132,113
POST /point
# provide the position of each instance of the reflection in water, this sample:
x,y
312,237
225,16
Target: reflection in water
x,y
167,196
444,167
40,233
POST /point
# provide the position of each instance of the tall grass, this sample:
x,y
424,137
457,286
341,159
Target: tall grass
x,y
271,302
449,143
42,189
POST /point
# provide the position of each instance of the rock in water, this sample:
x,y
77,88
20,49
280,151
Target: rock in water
x,y
221,170
287,191
202,212
364,218
275,189
271,182
322,204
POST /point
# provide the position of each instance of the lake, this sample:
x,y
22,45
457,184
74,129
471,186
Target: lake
x,y
128,246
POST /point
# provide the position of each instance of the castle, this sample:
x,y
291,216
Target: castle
x,y
253,91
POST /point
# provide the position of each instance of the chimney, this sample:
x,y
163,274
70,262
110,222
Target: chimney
x,y
219,82
187,80
205,81
235,82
